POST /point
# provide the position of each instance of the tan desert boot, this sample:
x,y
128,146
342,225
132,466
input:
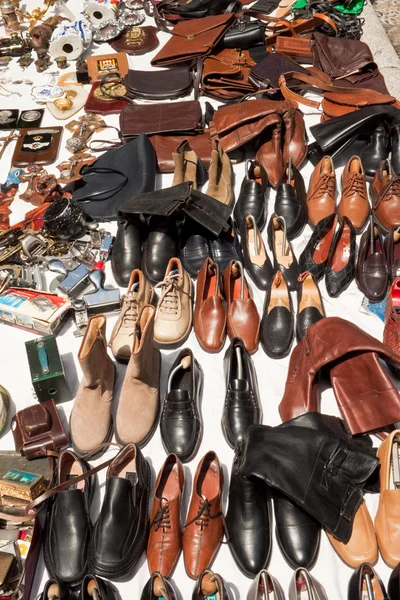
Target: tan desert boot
x,y
174,312
139,401
91,421
138,294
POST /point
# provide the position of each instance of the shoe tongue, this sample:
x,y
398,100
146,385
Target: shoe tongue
x,y
239,385
178,396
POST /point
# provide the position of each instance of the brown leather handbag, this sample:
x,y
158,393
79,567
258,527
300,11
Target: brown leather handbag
x,y
337,100
178,118
225,74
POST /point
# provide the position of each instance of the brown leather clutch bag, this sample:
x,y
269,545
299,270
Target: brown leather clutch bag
x,y
181,118
193,39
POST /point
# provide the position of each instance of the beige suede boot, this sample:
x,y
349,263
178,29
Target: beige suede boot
x,y
139,402
91,421
220,176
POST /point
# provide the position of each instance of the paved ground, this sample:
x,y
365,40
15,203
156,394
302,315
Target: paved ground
x,y
388,12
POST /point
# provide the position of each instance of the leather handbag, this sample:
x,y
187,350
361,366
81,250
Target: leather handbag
x,y
225,75
176,10
165,145
116,176
266,73
193,39
168,84
245,35
181,118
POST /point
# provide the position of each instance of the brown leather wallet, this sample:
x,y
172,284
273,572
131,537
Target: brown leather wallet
x,y
181,118
38,146
37,429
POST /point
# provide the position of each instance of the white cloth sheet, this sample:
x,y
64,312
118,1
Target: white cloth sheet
x,y
14,370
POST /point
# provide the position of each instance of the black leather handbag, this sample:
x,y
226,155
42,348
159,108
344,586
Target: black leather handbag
x,y
116,176
168,84
173,10
245,35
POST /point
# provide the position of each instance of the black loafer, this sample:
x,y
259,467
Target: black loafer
x,y
242,402
341,265
195,247
376,150
226,247
358,583
126,252
57,590
310,308
248,521
252,195
255,258
291,201
122,528
160,247
158,588
277,323
181,424
297,533
105,590
68,526
284,258
315,255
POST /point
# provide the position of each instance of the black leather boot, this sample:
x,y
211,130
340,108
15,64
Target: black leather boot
x,y
376,150
162,245
127,248
395,148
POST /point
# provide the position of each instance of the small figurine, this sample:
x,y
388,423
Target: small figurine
x,y
43,61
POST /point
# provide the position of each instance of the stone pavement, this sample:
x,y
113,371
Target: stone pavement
x,y
388,12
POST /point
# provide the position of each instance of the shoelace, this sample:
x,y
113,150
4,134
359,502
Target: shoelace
x,y
355,185
204,515
169,297
130,310
162,516
391,188
327,184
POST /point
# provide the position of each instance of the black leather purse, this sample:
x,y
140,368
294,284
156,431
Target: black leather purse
x,y
245,35
168,84
116,176
173,10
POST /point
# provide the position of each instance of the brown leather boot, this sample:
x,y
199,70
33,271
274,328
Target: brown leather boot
x,y
270,152
321,197
91,421
139,401
220,176
354,203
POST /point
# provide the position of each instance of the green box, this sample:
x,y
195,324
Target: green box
x,y
47,372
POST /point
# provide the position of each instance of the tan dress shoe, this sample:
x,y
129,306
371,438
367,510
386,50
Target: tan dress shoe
x,y
139,401
91,421
321,197
138,294
354,203
386,190
387,519
362,546
173,320
209,312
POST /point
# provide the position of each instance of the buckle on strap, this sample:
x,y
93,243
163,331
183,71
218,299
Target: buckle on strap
x,y
352,502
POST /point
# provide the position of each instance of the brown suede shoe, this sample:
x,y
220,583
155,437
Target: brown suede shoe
x,y
386,189
204,528
139,401
165,539
220,176
138,294
321,197
354,203
91,421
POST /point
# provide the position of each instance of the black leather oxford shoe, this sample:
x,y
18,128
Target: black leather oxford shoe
x,y
248,521
297,533
252,195
95,588
68,524
160,247
364,580
181,424
56,590
291,201
126,252
158,588
376,150
242,402
121,530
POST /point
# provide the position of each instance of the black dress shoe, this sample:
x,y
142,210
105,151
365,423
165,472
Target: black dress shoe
x,y
160,247
291,201
242,402
104,589
158,588
284,258
209,586
252,195
122,528
372,268
315,255
68,525
195,248
394,584
248,521
56,590
297,533
395,147
181,424
255,258
226,247
310,308
126,252
358,585
391,248
376,150
341,265
277,323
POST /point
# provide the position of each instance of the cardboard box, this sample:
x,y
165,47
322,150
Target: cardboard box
x,y
34,311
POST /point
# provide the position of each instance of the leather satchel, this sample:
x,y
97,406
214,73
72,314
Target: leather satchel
x,y
178,118
168,84
165,145
225,75
193,39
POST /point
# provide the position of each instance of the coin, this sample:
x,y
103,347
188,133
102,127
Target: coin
x,y
30,115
